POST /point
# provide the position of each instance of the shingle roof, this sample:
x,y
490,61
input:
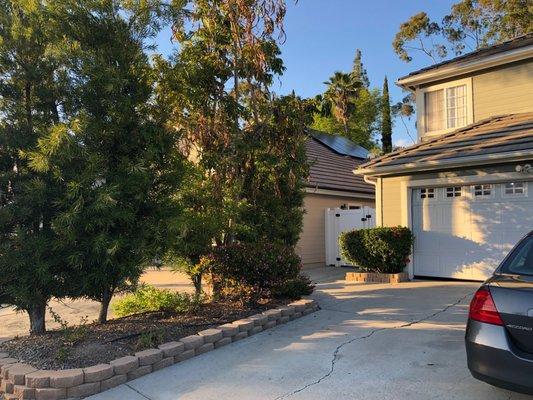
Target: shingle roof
x,y
489,137
333,171
518,42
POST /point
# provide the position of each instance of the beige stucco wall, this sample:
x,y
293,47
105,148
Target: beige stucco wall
x,y
390,199
312,244
504,90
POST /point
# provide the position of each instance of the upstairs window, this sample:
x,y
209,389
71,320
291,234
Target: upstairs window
x,y
445,107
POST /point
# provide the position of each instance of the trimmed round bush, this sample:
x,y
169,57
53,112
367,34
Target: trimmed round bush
x,y
383,250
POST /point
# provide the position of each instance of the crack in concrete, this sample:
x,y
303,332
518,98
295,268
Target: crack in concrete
x,y
138,392
339,347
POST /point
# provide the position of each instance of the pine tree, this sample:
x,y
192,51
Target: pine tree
x,y
358,70
114,150
31,90
386,121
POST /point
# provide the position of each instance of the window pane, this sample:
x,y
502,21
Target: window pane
x,y
434,105
521,260
456,106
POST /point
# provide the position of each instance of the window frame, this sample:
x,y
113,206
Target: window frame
x,y
453,187
483,196
514,195
421,106
427,198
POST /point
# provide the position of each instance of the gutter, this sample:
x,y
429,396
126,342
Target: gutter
x,y
368,179
436,165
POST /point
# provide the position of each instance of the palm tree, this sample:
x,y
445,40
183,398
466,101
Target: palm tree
x,y
341,92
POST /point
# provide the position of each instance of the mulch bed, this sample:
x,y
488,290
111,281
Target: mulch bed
x,y
94,343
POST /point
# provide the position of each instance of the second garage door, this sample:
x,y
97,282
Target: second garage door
x,y
464,232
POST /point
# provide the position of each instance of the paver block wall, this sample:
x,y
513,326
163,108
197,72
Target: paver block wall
x,y
22,381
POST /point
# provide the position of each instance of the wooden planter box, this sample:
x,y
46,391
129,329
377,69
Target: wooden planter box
x,y
377,277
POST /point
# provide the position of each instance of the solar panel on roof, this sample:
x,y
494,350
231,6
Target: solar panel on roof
x,y
341,145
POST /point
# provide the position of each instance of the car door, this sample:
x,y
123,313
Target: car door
x,y
512,291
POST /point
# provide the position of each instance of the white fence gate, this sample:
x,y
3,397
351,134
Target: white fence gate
x,y
340,220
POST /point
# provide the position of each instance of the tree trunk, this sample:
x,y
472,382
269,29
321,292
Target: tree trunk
x,y
197,282
104,306
37,318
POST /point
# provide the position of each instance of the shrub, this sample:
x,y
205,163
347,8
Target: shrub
x,y
295,288
253,270
148,298
384,250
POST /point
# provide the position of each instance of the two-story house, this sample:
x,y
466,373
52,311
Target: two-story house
x,y
466,188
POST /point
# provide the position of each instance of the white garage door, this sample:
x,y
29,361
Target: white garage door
x,y
464,232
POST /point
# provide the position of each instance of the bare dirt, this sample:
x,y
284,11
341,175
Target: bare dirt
x,y
90,344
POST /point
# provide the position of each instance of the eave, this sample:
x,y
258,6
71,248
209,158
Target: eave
x,y
463,68
432,165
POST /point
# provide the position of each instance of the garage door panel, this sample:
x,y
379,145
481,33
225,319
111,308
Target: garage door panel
x,y
467,237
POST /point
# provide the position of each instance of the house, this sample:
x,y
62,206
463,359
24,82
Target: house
x,y
466,188
330,184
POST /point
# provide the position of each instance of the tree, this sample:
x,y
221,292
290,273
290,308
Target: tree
x,y
358,70
349,107
470,25
275,175
246,145
386,122
113,151
341,91
33,93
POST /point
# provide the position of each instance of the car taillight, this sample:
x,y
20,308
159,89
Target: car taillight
x,y
483,309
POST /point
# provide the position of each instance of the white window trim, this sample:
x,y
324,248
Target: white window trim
x,y
421,108
514,195
483,197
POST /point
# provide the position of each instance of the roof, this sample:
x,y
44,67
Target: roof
x,y
333,171
492,140
471,58
340,144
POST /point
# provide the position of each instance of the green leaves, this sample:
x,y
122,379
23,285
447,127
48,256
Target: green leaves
x,y
471,24
349,107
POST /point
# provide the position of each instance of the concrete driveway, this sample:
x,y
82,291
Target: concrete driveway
x,y
368,342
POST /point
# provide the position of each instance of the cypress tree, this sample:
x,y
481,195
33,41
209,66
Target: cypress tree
x,y
386,122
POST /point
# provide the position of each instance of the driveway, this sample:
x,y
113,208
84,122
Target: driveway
x,y
368,342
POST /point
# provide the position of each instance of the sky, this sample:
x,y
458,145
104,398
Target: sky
x,y
322,36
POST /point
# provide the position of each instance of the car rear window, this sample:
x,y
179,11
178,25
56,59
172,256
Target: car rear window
x,y
521,259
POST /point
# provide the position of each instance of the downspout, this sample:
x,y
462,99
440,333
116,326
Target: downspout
x,y
373,181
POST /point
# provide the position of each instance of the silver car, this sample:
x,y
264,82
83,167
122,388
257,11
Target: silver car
x,y
499,334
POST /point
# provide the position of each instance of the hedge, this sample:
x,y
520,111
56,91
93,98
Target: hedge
x,y
383,250
253,271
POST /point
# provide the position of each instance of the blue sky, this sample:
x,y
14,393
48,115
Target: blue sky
x,y
322,36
